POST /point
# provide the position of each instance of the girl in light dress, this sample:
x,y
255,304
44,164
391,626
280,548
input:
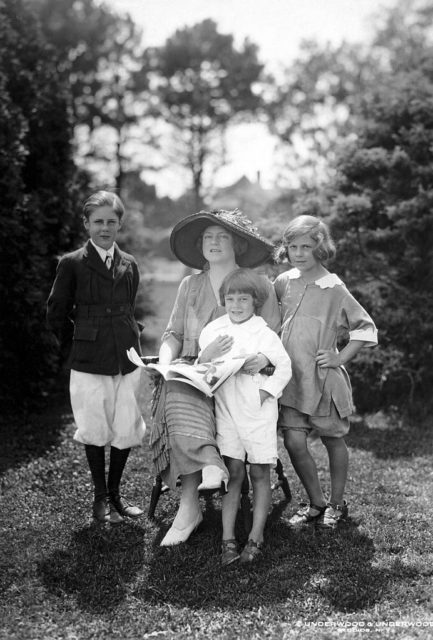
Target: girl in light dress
x,y
316,309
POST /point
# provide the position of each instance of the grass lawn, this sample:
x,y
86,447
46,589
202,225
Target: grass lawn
x,y
63,577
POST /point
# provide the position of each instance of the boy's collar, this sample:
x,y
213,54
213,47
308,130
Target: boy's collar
x,y
325,282
102,252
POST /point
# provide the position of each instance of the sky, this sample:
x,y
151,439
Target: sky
x,y
277,27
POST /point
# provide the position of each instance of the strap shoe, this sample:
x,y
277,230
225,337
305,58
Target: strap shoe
x,y
123,507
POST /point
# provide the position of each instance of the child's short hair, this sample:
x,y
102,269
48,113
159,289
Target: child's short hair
x,y
316,229
244,281
102,199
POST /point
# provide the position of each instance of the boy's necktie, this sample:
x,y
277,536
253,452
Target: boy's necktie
x,y
108,262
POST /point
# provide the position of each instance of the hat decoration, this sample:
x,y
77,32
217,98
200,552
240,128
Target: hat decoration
x,y
235,217
185,234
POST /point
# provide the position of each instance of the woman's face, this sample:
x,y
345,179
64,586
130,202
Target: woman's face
x,y
217,245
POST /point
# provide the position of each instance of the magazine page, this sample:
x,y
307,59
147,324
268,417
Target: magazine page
x,y
134,357
188,373
206,376
217,372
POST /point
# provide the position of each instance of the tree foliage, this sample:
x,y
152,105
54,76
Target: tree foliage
x,y
100,55
203,81
383,215
383,212
37,194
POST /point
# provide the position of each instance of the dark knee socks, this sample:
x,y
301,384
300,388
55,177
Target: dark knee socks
x,y
96,459
118,458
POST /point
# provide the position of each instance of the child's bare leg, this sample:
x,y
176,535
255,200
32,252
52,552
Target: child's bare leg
x,y
189,501
260,480
296,444
338,467
230,501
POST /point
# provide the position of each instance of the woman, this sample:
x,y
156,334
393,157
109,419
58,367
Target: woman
x,y
217,242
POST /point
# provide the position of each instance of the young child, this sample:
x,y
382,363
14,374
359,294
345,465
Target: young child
x,y
246,406
93,296
316,307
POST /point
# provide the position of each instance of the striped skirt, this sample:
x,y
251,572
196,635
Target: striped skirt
x,y
183,440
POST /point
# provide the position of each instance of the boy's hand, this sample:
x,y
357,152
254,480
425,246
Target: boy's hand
x,y
264,395
328,359
219,347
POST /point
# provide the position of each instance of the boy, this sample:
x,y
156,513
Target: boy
x,y
93,296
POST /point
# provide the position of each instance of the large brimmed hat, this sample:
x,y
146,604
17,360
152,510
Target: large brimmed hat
x,y
185,234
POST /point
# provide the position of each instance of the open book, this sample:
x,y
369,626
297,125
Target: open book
x,y
206,376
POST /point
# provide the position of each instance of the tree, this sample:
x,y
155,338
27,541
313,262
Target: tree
x,y
37,200
202,82
100,55
383,216
313,107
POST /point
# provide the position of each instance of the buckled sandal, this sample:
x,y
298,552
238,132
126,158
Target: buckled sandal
x,y
229,552
333,515
251,551
303,515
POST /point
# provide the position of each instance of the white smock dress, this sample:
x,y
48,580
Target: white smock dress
x,y
244,426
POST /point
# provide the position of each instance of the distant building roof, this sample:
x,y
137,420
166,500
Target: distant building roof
x,y
248,196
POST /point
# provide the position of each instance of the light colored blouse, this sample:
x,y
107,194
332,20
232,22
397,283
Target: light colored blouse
x,y
315,316
253,336
196,305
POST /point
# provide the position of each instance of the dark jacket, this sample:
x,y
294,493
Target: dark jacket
x,y
94,308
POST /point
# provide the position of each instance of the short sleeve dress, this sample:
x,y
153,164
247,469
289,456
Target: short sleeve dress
x,y
315,316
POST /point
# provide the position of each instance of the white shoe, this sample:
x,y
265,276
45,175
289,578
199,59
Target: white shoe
x,y
212,478
176,536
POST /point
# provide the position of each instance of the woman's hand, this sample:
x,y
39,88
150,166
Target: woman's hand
x,y
169,350
328,359
254,363
219,347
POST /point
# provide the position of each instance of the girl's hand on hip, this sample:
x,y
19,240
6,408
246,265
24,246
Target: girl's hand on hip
x,y
328,359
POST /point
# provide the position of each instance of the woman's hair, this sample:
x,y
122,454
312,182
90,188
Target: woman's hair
x,y
102,199
316,229
244,281
240,245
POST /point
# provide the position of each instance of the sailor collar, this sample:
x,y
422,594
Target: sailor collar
x,y
325,282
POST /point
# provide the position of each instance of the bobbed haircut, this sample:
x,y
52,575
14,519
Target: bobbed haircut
x,y
103,199
244,281
316,229
240,245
